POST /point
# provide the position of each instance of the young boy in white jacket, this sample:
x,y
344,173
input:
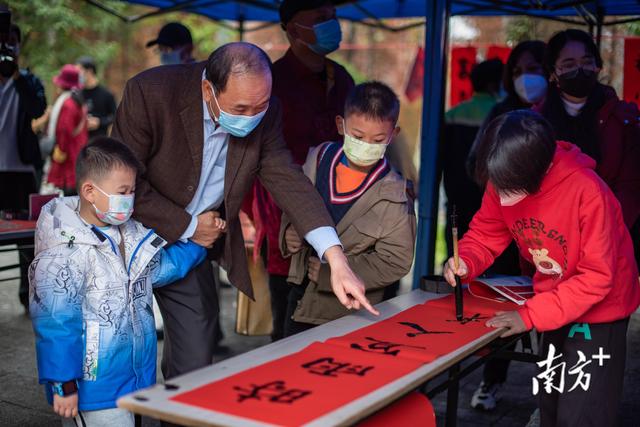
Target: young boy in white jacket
x,y
91,288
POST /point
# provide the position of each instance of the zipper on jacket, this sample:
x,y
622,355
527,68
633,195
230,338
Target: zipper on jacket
x,y
131,305
135,251
113,246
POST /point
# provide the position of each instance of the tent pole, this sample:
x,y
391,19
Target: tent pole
x,y
435,46
241,29
599,22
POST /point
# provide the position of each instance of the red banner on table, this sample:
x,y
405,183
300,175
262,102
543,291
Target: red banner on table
x,y
11,226
462,61
301,387
415,85
414,409
423,332
632,70
475,304
498,52
323,377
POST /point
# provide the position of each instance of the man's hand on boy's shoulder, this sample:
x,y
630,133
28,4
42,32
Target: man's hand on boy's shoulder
x,y
209,229
66,406
293,240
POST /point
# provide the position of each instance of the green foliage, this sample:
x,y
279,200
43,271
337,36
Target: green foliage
x,y
57,32
207,35
633,28
356,74
521,29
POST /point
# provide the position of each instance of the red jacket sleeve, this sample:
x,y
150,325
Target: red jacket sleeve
x,y
488,235
593,278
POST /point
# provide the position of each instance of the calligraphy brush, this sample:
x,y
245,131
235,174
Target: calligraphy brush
x,y
456,262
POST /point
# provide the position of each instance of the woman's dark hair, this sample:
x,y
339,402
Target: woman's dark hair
x,y
515,152
560,39
535,48
583,129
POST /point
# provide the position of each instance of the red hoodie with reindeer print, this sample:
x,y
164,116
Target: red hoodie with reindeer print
x,y
573,231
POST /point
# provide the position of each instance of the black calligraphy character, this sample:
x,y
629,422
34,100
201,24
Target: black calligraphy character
x,y
420,329
358,370
328,367
325,366
463,64
290,396
383,347
475,318
274,391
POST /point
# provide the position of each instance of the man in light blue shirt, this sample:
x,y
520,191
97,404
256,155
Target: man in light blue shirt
x,y
204,132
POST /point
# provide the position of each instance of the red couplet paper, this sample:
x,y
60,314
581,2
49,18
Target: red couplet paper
x,y
414,409
16,225
301,387
474,304
415,85
498,52
462,61
423,332
632,70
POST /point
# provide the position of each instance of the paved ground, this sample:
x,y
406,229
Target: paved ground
x,y
22,401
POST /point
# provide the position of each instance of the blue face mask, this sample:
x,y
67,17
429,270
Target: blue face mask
x,y
170,58
328,37
237,125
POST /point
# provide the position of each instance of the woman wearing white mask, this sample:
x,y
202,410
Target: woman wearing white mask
x,y
525,81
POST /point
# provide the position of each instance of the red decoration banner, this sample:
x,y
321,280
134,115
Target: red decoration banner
x,y
498,52
415,85
632,70
462,61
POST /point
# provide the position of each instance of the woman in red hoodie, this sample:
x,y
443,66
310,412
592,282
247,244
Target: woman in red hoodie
x,y
566,221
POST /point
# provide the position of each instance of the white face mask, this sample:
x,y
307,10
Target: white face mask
x,y
119,210
531,88
572,108
362,153
511,199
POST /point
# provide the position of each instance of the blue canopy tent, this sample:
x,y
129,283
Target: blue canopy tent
x,y
591,13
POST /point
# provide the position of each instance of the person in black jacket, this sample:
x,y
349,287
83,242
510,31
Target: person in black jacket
x,y
22,99
100,102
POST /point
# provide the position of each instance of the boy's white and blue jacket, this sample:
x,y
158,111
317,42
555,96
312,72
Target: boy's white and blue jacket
x,y
92,312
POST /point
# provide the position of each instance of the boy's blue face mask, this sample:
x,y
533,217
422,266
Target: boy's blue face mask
x,y
237,125
328,36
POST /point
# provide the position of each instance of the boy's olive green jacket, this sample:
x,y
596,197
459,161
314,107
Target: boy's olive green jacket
x,y
378,234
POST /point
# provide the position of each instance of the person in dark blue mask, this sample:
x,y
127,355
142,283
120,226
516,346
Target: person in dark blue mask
x,y
313,90
174,44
